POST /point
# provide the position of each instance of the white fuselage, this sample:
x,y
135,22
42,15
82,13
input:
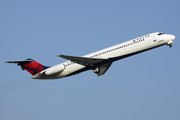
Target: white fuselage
x,y
113,53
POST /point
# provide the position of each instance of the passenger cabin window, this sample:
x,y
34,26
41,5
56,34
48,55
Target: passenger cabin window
x,y
160,33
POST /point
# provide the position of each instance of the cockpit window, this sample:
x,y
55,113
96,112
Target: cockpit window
x,y
160,33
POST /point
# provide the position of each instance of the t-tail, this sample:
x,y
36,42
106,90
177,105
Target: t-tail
x,y
30,65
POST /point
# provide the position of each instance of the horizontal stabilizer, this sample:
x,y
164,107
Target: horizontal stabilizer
x,y
23,61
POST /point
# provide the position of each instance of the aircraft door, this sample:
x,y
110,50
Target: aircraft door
x,y
154,39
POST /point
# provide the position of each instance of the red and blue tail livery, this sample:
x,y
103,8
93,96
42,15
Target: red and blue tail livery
x,y
30,65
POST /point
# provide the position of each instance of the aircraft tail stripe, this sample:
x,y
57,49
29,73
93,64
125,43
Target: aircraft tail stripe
x,y
30,70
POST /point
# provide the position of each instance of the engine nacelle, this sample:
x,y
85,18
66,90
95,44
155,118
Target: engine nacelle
x,y
55,69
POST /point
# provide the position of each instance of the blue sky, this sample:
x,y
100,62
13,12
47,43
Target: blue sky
x,y
145,86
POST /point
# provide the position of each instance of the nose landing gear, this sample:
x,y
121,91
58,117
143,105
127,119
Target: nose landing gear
x,y
170,45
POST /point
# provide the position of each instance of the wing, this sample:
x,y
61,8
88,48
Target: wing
x,y
92,62
83,60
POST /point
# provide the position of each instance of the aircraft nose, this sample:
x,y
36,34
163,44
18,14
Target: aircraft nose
x,y
170,37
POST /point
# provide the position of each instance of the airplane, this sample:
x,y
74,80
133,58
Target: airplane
x,y
99,61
